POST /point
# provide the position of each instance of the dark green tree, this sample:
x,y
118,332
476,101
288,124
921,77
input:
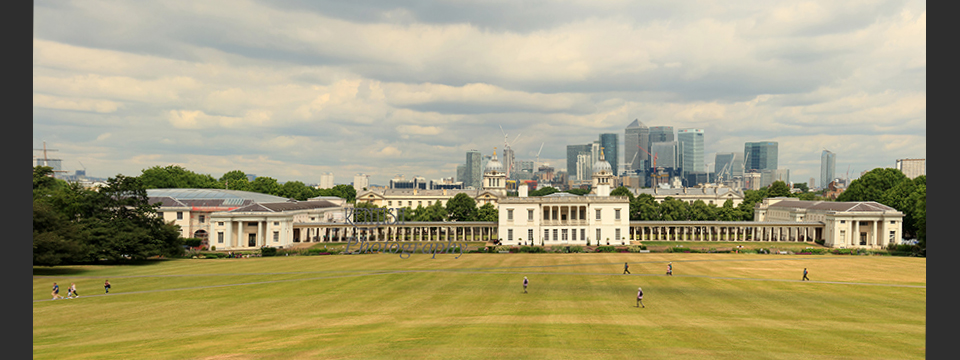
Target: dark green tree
x,y
235,180
674,210
462,207
622,191
342,191
547,190
645,208
488,212
778,189
699,211
578,191
297,190
872,185
265,185
802,186
175,176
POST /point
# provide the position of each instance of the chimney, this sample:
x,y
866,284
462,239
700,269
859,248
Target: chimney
x,y
522,189
444,192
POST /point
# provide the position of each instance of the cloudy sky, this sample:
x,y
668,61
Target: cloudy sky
x,y
293,89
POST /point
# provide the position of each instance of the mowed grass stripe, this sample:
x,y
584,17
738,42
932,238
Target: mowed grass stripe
x,y
459,314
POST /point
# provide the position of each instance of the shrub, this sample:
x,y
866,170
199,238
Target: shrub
x,y
268,251
192,242
606,249
820,241
213,248
636,248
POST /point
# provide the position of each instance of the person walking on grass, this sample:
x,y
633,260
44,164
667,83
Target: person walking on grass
x,y
72,292
626,268
56,292
106,287
805,275
670,269
640,297
525,283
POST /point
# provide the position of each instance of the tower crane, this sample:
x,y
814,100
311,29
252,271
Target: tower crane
x,y
537,164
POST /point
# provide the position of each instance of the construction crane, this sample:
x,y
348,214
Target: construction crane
x,y
537,164
657,176
46,160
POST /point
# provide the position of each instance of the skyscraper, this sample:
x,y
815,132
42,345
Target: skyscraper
x,y
474,171
508,162
828,166
728,165
462,173
573,151
360,182
611,151
691,150
666,152
761,155
326,180
636,135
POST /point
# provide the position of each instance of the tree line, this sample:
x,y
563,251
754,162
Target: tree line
x,y
115,224
176,177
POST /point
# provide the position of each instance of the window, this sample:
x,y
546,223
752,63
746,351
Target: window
x,y
843,221
546,215
616,214
583,234
276,236
202,218
220,223
429,202
573,234
564,233
617,234
843,236
419,202
530,234
276,223
509,214
220,237
160,214
529,214
179,215
893,223
509,234
251,224
313,218
598,236
389,203
598,214
546,234
555,237
410,203
893,236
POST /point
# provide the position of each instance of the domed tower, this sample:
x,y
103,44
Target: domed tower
x,y
602,177
494,178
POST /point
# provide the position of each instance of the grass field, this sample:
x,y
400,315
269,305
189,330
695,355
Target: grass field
x,y
726,306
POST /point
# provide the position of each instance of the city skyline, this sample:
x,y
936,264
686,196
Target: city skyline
x,y
293,90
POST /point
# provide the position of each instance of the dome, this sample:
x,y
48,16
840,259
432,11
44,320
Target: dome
x,y
494,164
602,165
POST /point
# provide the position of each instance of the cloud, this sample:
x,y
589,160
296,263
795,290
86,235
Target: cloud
x,y
76,104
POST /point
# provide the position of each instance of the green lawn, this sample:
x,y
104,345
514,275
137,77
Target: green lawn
x,y
578,306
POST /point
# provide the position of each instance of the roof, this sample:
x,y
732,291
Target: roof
x,y
286,206
711,191
215,196
846,206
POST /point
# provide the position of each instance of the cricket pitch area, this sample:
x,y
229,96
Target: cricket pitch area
x,y
578,306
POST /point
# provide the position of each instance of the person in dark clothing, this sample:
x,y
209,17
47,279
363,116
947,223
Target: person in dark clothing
x,y
525,283
640,297
626,268
106,286
805,275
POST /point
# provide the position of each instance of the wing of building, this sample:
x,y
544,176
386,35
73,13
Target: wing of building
x,y
710,195
846,224
233,219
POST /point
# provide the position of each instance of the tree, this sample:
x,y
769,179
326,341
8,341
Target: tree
x,y
802,186
342,191
265,185
674,210
778,189
235,180
176,177
645,208
872,185
578,191
547,190
727,212
699,211
488,212
622,191
297,190
462,207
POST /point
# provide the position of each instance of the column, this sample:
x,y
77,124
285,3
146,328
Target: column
x,y
876,234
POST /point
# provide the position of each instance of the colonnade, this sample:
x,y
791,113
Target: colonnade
x,y
422,232
725,232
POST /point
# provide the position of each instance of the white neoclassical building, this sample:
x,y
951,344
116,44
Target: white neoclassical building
x,y
567,219
235,220
866,224
710,195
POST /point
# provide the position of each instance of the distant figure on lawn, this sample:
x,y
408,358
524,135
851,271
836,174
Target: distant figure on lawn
x,y
626,268
72,291
525,283
56,292
106,286
670,269
805,275
640,297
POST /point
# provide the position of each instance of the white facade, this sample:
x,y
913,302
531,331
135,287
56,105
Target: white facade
x,y
361,181
564,219
326,181
912,167
846,224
